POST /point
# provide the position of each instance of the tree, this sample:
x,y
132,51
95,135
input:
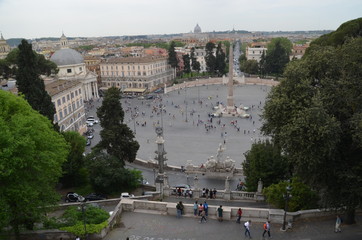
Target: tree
x,y
264,161
210,58
194,63
107,174
30,162
116,137
220,64
187,66
262,65
29,82
316,117
303,197
250,66
172,56
277,58
72,168
285,43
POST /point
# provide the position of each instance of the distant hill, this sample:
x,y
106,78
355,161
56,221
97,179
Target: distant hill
x,y
14,42
350,29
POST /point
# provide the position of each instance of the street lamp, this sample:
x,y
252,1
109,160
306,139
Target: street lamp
x,y
82,204
286,196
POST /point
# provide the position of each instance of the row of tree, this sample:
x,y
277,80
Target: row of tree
x,y
215,59
272,62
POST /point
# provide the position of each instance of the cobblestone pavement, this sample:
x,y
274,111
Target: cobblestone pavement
x,y
145,226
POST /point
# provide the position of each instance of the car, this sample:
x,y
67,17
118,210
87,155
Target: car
x,y
90,136
95,197
88,143
89,124
74,197
126,195
91,119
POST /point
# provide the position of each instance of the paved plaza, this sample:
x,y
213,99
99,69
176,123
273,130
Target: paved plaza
x,y
147,226
186,136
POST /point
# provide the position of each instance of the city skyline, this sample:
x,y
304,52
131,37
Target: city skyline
x,y
95,18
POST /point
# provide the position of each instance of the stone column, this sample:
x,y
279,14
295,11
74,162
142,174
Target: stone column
x,y
96,89
227,193
197,191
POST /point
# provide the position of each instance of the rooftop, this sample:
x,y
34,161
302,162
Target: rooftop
x,y
59,86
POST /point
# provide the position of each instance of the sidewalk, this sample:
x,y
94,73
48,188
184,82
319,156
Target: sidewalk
x,y
144,225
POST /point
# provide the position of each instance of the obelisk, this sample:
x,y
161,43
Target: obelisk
x,y
230,98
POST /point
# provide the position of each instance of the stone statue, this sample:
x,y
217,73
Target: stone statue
x,y
220,152
260,186
211,164
229,164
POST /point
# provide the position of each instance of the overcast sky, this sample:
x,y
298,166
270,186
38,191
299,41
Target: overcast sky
x,y
94,18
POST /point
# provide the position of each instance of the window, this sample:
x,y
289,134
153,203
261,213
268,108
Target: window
x,y
69,70
80,91
76,93
59,102
63,99
68,98
65,112
60,115
69,108
80,68
55,118
72,94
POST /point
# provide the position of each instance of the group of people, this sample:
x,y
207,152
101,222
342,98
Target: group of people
x,y
208,193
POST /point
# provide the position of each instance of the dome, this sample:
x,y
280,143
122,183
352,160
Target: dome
x,y
67,56
197,29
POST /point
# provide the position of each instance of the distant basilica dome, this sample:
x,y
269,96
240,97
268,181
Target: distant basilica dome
x,y
67,56
197,29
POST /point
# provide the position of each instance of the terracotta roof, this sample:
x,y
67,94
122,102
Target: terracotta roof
x,y
59,86
136,59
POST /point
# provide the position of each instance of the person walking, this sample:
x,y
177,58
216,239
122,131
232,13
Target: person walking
x,y
219,214
203,216
247,226
178,210
206,208
195,208
201,208
238,214
337,228
266,227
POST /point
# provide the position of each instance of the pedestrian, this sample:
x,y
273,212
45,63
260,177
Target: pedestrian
x,y
206,208
238,214
266,227
214,193
247,226
203,214
178,210
219,214
207,193
201,208
195,208
337,229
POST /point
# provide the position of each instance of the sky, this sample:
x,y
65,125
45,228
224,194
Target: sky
x,y
96,18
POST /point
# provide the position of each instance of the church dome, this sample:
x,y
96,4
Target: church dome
x,y
67,56
197,29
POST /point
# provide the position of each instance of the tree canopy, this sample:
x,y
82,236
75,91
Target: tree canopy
x,y
28,80
315,116
277,55
172,56
194,63
210,58
116,137
30,161
220,64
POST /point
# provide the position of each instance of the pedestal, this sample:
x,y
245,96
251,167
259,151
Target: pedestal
x,y
227,195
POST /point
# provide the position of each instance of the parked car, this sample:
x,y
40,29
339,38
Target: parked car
x,y
90,136
95,197
89,142
73,197
126,195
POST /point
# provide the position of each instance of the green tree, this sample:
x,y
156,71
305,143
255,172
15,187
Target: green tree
x,y
172,56
285,43
264,161
73,168
187,66
262,65
220,61
30,162
302,196
29,82
210,58
194,63
107,174
315,115
250,66
116,137
277,58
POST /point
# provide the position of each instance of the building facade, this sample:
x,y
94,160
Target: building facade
x,y
136,72
255,51
72,67
4,48
67,97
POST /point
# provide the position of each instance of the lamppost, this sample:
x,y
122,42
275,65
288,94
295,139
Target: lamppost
x,y
82,204
286,196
